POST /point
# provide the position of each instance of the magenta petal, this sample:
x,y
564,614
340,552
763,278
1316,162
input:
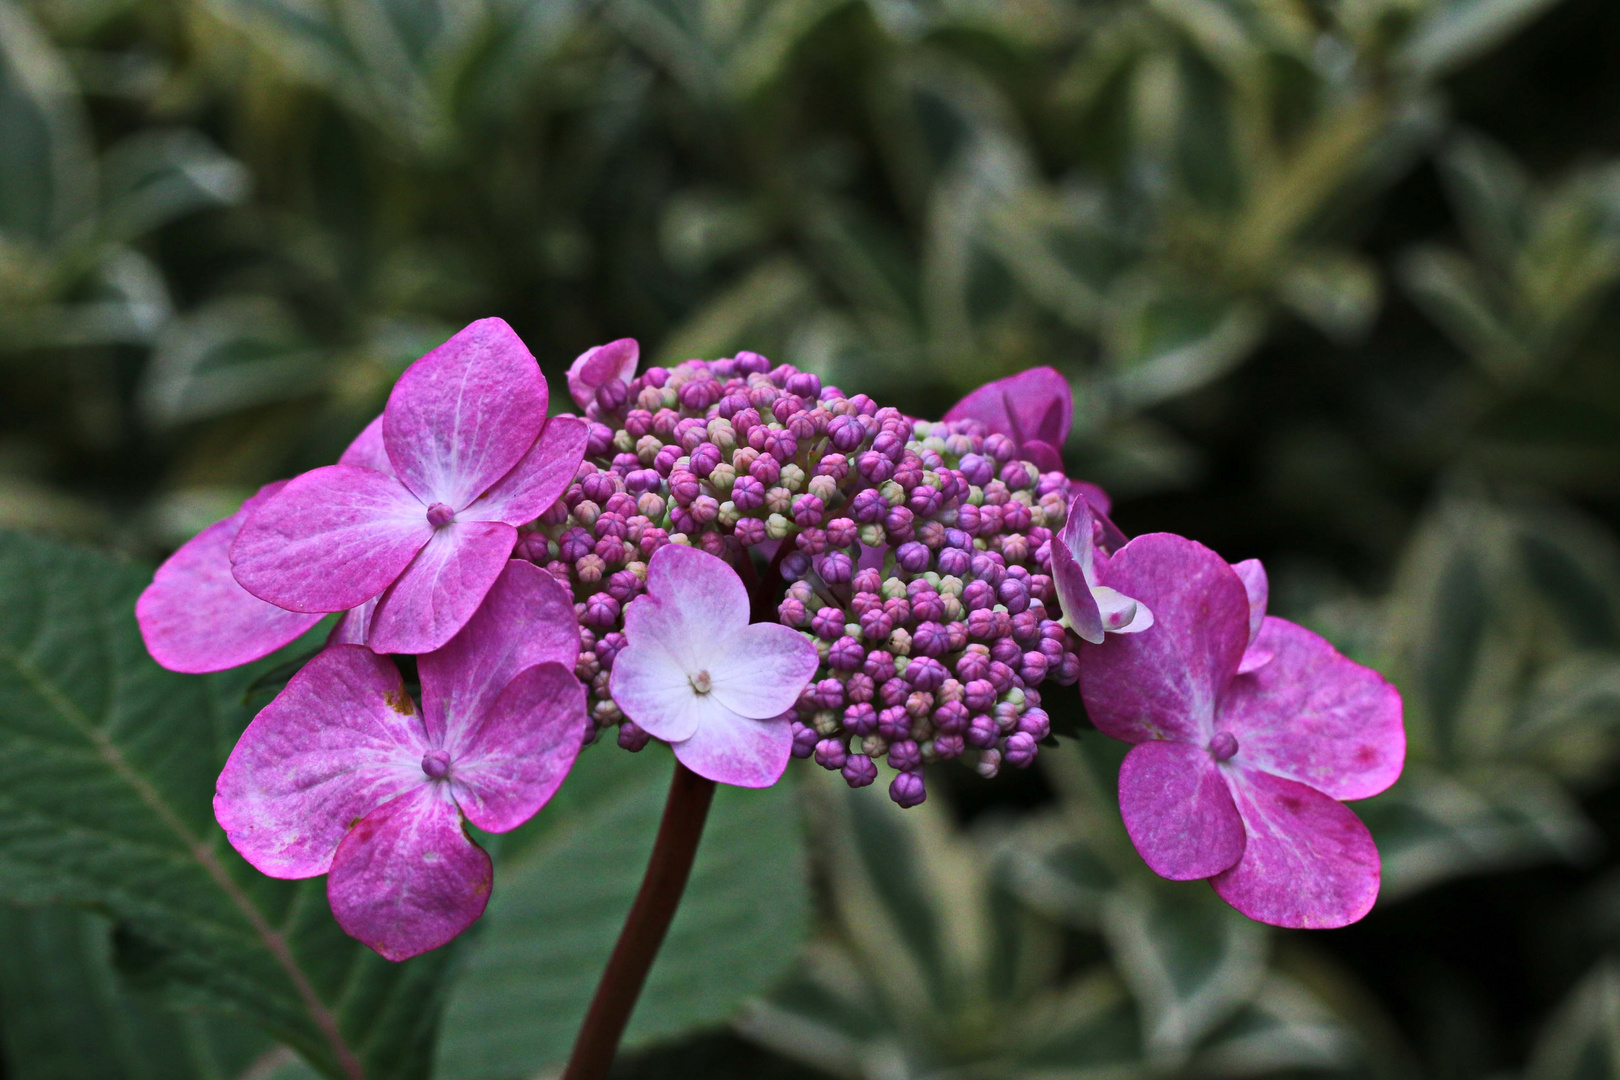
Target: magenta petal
x,y
464,414
195,617
1044,456
368,450
406,878
1032,406
536,481
1178,811
354,626
1253,660
732,749
597,366
510,765
694,603
1075,597
1309,864
439,591
527,618
330,540
1093,494
1255,583
763,672
340,740
1164,682
1314,716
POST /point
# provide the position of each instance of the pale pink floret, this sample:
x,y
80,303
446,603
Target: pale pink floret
x,y
195,618
595,367
342,774
1244,746
1093,609
471,456
697,674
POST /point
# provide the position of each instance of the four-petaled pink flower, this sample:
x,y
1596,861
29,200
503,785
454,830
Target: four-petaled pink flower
x,y
596,367
426,526
1093,609
697,674
341,773
1246,741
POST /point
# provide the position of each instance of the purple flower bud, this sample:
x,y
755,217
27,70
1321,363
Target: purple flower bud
x,y
978,596
894,722
1068,671
1000,447
979,695
873,467
929,639
947,747
908,789
876,626
904,754
1032,669
1001,676
859,687
890,446
622,504
804,384
846,654
859,771
640,480
795,565
1035,723
1013,595
981,624
1016,517
652,540
631,737
599,487
601,611
684,487
893,691
860,718
833,465
598,438
954,562
1020,750
705,458
624,586
638,422
1026,628
952,717
1017,475
611,396
575,544
841,533
829,694
973,664
835,568
869,506
831,754
791,612
846,433
925,673
982,732
807,511
766,469
828,623
1005,650
748,493
878,665
731,405
750,531
897,524
926,501
976,469
912,557
804,740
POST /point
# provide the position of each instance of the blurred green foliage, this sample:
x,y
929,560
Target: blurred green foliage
x,y
1337,283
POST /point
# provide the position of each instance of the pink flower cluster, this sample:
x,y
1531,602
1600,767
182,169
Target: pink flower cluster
x,y
918,586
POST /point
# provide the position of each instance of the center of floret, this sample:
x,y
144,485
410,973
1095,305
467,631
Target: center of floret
x,y
1223,745
440,514
701,682
436,763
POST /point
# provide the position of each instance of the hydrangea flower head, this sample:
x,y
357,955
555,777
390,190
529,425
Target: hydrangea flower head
x,y
697,674
426,526
341,774
1093,609
1239,766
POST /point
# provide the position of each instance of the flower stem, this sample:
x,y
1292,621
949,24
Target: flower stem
x,y
685,811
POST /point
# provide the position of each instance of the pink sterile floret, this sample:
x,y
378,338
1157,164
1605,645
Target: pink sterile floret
x,y
1093,609
1244,744
596,367
697,674
342,774
470,455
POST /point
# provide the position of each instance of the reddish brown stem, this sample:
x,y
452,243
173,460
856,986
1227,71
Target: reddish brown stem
x,y
685,811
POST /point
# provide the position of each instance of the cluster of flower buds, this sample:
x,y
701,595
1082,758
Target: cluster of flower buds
x,y
916,556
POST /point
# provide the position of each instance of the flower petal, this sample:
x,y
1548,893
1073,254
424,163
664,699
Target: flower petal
x,y
654,688
596,366
1032,406
522,748
732,749
527,618
1255,583
1043,455
1164,683
1120,613
693,605
763,670
195,617
1093,494
464,414
1075,597
330,540
1314,716
439,591
406,878
1178,811
1309,863
340,740
536,481
354,626
368,450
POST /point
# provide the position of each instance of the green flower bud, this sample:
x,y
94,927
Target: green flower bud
x,y
792,477
871,535
778,527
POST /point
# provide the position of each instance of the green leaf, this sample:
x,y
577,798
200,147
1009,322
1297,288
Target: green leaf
x,y
156,176
64,1014
1583,1040
47,168
105,800
563,886
1457,31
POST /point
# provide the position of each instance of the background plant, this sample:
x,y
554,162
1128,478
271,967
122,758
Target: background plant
x,y
1335,283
